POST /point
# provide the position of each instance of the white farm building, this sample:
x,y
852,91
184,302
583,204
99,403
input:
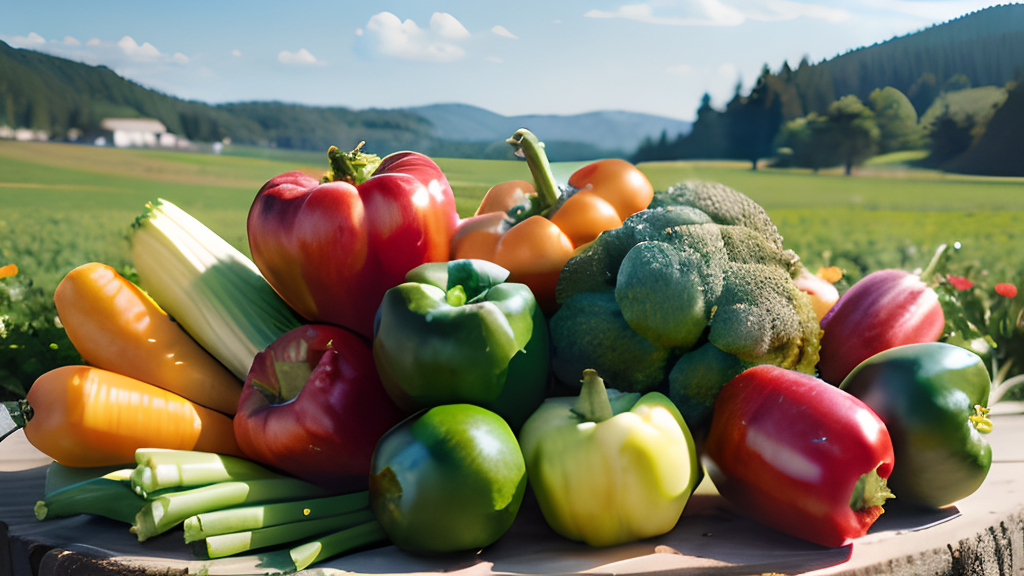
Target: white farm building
x,y
133,132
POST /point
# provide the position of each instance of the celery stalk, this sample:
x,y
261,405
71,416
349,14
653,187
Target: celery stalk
x,y
109,496
165,511
233,543
160,469
214,291
342,542
59,476
247,518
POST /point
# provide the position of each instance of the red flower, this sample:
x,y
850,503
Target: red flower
x,y
959,282
1008,290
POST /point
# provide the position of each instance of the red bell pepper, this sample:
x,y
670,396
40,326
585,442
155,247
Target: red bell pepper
x,y
883,310
313,406
798,454
331,248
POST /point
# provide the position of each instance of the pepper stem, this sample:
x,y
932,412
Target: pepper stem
x,y
527,146
455,296
354,167
869,491
14,415
937,262
980,419
593,404
469,279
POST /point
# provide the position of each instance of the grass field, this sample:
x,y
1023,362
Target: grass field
x,y
63,205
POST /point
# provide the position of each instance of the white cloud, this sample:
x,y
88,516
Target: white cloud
x,y
503,32
94,42
71,41
931,11
495,59
29,41
236,53
180,58
141,53
387,35
446,26
721,12
302,57
789,10
680,70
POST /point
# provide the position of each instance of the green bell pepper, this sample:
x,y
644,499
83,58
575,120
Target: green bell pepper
x,y
456,332
609,467
933,399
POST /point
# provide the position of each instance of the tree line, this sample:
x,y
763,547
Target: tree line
x,y
755,128
936,90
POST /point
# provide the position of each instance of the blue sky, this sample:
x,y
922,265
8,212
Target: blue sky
x,y
522,57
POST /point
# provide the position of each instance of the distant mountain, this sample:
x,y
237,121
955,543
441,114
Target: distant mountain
x,y
55,95
614,130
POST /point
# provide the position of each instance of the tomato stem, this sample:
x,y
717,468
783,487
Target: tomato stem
x,y
354,167
937,262
869,491
527,146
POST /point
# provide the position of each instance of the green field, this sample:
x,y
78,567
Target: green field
x,y
63,205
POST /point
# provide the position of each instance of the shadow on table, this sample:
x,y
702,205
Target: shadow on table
x,y
710,539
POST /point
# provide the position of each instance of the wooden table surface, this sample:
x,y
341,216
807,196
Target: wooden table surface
x,y
982,534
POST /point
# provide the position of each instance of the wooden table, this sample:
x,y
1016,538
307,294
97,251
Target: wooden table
x,y
982,534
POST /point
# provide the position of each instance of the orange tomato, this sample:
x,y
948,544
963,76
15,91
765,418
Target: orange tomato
x,y
534,248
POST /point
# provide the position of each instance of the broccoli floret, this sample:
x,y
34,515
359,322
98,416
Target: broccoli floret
x,y
699,276
763,318
722,204
593,334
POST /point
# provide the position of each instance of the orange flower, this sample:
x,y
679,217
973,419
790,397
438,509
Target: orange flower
x,y
8,270
832,274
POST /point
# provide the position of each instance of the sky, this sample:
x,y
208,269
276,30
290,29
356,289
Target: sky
x,y
524,57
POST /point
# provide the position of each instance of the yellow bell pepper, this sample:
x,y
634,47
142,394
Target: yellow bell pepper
x,y
609,467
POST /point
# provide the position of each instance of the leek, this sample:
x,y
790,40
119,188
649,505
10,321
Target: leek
x,y
109,496
160,469
59,476
214,291
247,518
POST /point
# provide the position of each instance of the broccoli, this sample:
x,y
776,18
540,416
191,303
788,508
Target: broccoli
x,y
684,296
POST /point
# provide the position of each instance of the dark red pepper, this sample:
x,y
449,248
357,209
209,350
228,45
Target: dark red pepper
x,y
313,406
883,310
798,454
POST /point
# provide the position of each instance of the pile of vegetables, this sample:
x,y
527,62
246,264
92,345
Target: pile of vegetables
x,y
384,371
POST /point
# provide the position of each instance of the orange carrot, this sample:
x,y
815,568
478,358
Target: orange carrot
x,y
114,325
85,416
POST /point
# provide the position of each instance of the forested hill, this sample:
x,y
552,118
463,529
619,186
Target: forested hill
x,y
983,48
52,94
